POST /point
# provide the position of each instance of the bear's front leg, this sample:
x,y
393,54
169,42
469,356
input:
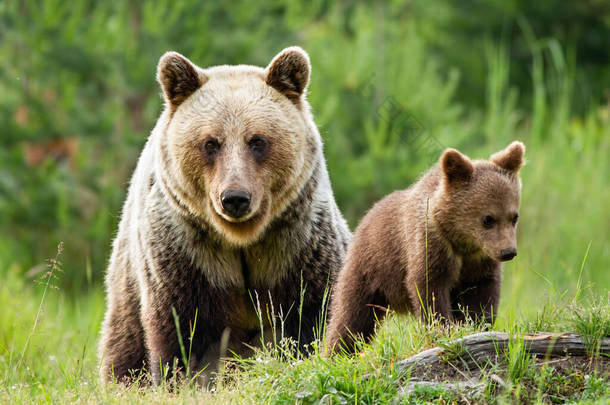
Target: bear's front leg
x,y
431,301
162,337
122,349
354,311
193,311
429,286
478,300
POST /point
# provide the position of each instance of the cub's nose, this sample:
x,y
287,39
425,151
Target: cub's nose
x,y
508,254
235,202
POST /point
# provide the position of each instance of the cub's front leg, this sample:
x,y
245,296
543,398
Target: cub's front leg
x,y
429,298
429,282
478,299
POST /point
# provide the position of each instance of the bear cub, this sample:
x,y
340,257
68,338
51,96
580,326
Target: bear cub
x,y
435,249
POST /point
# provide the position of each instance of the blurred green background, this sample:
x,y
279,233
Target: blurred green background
x,y
393,83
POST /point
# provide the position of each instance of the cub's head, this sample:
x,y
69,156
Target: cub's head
x,y
237,143
479,203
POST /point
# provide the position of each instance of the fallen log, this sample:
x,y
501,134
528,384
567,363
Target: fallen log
x,y
473,350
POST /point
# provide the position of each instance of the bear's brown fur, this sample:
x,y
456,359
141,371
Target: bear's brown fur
x,y
230,203
440,242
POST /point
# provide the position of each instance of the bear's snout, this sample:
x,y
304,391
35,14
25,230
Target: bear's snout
x,y
508,254
235,203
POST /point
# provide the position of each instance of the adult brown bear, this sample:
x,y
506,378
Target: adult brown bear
x,y
230,200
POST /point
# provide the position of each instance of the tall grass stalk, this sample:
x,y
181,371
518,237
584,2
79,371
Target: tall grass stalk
x,y
54,267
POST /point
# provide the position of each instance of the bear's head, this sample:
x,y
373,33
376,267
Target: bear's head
x,y
478,205
238,142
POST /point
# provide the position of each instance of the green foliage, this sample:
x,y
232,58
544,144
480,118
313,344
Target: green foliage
x,y
517,357
393,85
593,324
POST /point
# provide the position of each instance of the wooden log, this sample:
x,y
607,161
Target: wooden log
x,y
473,350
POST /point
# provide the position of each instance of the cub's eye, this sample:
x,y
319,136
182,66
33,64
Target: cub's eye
x,y
211,147
258,146
515,219
488,221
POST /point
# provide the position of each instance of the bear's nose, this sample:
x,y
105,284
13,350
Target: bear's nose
x,y
508,254
235,202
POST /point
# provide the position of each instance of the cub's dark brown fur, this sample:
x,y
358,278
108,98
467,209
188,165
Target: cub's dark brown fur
x,y
451,263
230,210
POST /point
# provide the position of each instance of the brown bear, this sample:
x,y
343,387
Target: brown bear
x,y
229,211
434,249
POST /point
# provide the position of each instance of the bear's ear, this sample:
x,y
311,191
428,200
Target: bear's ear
x,y
178,77
456,167
289,72
511,158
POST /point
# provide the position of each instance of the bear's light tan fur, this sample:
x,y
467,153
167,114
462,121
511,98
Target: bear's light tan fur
x,y
230,203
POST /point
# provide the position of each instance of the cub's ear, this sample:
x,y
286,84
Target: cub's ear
x,y
511,158
289,73
455,166
178,77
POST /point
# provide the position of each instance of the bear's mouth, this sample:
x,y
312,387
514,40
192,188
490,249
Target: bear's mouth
x,y
232,220
245,224
225,218
241,232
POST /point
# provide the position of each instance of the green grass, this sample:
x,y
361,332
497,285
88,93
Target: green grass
x,y
57,339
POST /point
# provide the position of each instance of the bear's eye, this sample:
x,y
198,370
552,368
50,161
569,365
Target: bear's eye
x,y
211,147
515,219
258,146
488,221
